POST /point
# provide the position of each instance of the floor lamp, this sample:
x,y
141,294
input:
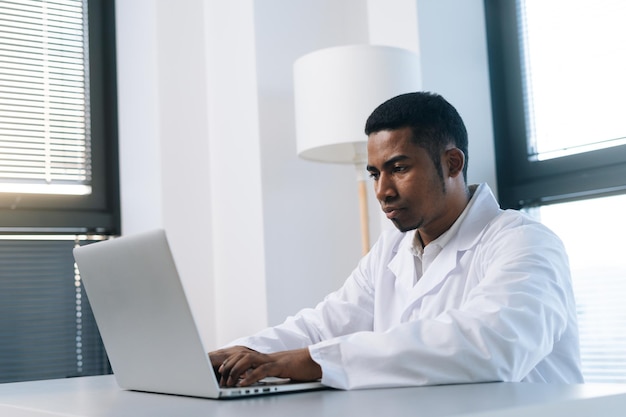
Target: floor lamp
x,y
335,91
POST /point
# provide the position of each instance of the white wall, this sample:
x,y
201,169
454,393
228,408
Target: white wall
x,y
453,47
207,140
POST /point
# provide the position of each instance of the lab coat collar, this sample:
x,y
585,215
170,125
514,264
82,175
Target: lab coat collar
x,y
403,263
482,209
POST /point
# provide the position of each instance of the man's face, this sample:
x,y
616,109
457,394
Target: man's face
x,y
406,182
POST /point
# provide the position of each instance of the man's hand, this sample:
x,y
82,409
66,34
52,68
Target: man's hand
x,y
241,366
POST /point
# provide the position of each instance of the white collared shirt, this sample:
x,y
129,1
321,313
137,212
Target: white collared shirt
x,y
424,256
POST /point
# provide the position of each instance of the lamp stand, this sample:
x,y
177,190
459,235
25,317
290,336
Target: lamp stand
x,y
363,211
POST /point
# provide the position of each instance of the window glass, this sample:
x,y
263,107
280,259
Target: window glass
x,y
593,232
58,117
44,118
573,66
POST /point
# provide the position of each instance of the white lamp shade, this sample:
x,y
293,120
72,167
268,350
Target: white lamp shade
x,y
336,89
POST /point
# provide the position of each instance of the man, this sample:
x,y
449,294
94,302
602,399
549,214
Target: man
x,y
461,292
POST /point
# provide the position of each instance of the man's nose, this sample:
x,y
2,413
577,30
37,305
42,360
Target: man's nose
x,y
384,188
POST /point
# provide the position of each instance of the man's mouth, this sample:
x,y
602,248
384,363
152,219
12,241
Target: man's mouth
x,y
391,212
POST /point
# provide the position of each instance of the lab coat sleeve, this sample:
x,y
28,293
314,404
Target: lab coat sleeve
x,y
345,311
507,323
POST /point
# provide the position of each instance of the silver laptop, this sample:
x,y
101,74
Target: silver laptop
x,y
146,324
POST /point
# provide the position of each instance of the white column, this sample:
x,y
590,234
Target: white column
x,y
189,151
137,97
234,161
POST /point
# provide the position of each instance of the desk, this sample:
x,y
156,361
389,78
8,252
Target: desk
x,y
100,396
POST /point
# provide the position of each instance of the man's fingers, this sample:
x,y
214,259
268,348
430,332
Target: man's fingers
x,y
218,357
226,369
236,367
253,375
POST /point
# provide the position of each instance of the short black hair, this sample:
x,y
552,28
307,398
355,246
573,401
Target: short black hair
x,y
435,123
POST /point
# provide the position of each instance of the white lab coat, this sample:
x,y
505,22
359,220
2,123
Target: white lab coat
x,y
495,305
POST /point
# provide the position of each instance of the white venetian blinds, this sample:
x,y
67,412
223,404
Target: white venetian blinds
x,y
44,100
599,280
574,63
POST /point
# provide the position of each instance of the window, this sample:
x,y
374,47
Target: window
x,y
557,92
599,279
557,58
58,143
45,135
46,324
58,180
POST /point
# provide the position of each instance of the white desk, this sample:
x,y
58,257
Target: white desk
x,y
100,396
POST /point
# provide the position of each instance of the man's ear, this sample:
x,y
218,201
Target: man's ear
x,y
455,160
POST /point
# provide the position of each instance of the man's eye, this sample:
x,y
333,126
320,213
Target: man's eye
x,y
399,168
374,175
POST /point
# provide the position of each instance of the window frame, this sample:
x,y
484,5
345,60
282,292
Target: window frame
x,y
98,212
523,182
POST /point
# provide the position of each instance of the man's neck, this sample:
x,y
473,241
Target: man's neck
x,y
458,203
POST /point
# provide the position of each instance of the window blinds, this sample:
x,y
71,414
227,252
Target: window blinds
x,y
47,328
44,100
598,277
573,71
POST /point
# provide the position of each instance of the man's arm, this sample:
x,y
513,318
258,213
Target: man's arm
x,y
514,311
348,310
242,366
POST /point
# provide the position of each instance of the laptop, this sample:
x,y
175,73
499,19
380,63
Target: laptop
x,y
146,323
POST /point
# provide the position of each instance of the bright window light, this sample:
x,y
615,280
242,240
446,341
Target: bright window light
x,y
593,232
573,64
45,145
